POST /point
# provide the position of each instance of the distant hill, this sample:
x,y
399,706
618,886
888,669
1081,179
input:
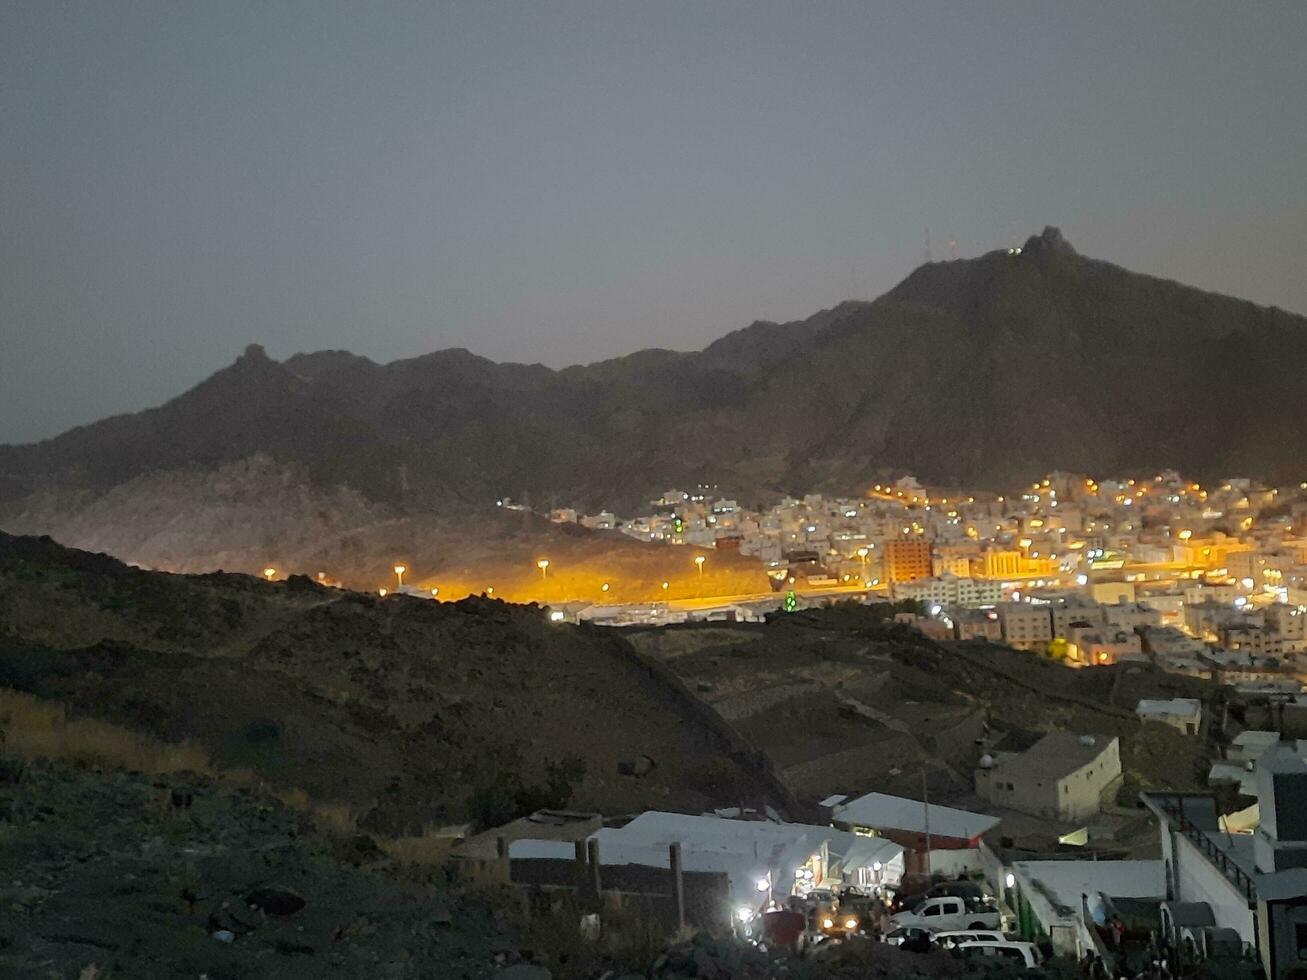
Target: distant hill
x,y
402,711
982,372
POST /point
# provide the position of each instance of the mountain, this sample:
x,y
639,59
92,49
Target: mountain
x,y
983,372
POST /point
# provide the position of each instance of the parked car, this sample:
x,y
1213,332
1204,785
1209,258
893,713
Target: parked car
x,y
912,938
952,937
1019,954
950,913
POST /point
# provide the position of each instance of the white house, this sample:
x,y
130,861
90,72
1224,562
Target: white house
x,y
1061,777
1183,714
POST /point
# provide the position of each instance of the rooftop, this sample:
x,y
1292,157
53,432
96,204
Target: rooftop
x,y
883,812
1055,755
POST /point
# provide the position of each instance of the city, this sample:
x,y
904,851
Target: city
x,y
573,490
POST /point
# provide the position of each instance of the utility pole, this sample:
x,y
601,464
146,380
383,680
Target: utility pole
x,y
925,807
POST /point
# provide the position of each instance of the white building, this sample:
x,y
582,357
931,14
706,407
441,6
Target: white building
x,y
1065,898
1061,777
949,590
1025,626
1251,886
1183,714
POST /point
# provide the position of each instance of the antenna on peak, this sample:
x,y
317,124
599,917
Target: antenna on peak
x,y
928,255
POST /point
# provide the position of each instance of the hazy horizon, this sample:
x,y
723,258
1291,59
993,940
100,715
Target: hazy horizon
x,y
568,182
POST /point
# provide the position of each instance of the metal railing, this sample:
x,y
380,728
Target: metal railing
x,y
1174,809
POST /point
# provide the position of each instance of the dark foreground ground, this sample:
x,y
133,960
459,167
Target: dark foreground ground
x,y
102,877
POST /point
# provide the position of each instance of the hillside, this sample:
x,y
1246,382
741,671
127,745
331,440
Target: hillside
x,y
399,712
981,372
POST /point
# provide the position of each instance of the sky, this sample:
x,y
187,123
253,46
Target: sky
x,y
567,181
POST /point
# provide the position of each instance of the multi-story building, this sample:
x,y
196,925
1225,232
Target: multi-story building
x,y
950,590
1025,626
906,559
1002,563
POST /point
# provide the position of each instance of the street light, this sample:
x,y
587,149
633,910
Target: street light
x,y
399,575
699,560
543,565
269,573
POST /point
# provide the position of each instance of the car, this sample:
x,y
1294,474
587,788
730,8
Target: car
x,y
838,925
950,913
955,937
1009,951
912,938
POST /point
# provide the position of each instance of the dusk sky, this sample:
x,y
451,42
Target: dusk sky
x,y
564,182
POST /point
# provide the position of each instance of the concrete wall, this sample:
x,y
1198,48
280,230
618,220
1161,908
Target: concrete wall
x,y
1197,880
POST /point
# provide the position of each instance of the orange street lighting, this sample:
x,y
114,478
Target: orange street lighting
x,y
699,560
434,592
382,593
543,565
399,575
666,585
604,587
269,573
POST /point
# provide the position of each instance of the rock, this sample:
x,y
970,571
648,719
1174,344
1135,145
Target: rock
x,y
524,971
225,936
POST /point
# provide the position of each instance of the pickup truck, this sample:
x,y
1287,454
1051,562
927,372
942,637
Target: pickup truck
x,y
951,912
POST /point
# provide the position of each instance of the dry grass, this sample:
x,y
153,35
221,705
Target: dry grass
x,y
429,848
32,729
36,729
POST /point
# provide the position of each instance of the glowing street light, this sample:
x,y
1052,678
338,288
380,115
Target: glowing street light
x,y
604,587
543,565
699,560
269,573
399,575
666,586
382,593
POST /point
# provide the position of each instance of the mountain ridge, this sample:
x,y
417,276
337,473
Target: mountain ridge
x,y
984,371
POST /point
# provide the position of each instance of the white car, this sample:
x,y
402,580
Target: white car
x,y
951,913
1008,951
956,937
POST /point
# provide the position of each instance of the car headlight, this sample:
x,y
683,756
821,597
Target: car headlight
x,y
744,913
850,923
828,923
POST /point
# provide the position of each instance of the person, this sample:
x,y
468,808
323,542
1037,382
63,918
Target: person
x,y
1118,931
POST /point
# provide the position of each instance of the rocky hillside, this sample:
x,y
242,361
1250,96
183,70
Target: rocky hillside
x,y
105,879
403,712
257,513
984,370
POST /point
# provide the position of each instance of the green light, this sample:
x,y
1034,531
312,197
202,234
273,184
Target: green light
x,y
791,601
